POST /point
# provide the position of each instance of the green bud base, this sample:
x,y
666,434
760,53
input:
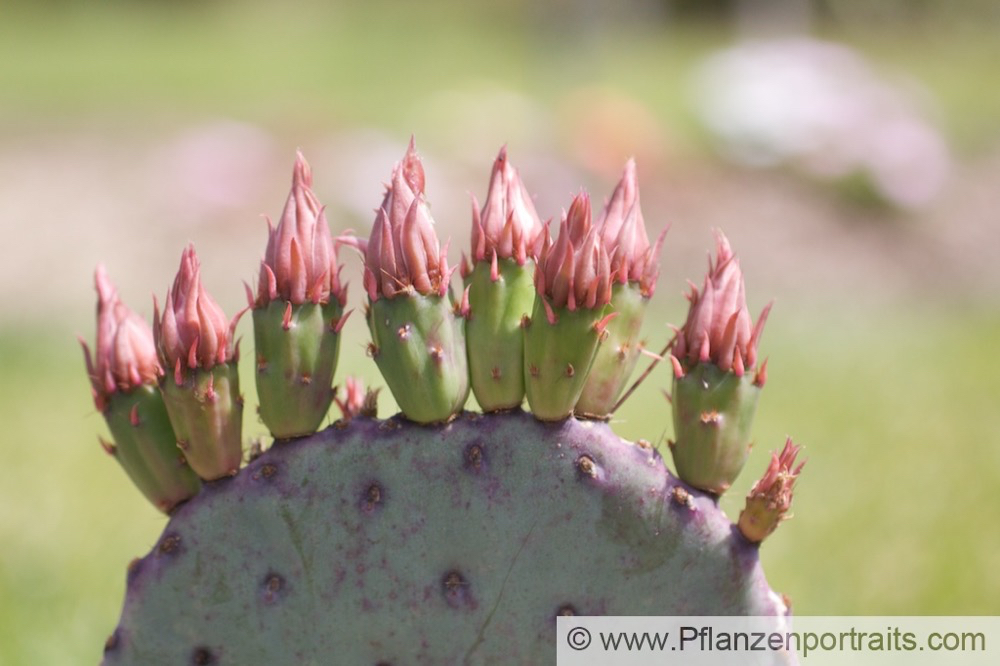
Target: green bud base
x,y
419,347
206,410
557,358
617,355
295,365
713,413
493,332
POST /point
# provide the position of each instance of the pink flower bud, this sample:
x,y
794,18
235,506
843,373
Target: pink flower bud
x,y
402,253
575,272
623,231
770,498
718,327
300,263
193,331
125,352
508,225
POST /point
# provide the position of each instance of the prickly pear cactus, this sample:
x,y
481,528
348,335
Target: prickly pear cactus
x,y
383,542
438,536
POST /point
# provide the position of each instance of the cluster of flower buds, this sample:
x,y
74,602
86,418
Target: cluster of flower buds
x,y
300,263
126,355
718,327
508,227
555,321
402,255
623,229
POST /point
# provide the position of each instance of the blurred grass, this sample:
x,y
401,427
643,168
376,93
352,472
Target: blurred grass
x,y
897,508
365,62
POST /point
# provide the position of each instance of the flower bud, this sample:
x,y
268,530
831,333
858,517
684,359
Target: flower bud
x,y
300,263
402,253
125,355
575,271
124,376
623,231
770,498
193,331
718,327
508,225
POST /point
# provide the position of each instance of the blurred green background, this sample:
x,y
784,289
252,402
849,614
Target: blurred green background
x,y
130,128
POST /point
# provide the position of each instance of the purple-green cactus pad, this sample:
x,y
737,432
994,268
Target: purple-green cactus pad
x,y
387,542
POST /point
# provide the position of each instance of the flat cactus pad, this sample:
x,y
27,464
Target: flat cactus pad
x,y
385,542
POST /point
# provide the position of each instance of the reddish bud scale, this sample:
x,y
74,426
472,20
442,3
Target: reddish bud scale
x,y
352,401
508,227
193,331
125,355
402,254
718,326
300,263
770,498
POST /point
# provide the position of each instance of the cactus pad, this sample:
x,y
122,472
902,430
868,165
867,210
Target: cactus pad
x,y
383,542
